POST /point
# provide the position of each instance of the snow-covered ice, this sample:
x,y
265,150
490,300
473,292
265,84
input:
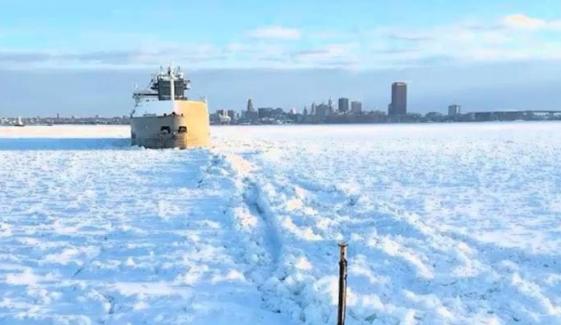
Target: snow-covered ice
x,y
446,223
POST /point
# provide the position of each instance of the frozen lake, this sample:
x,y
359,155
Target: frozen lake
x,y
446,223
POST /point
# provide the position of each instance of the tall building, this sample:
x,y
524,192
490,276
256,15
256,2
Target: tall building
x,y
250,107
250,114
265,112
398,106
343,106
356,107
323,110
222,117
454,110
232,114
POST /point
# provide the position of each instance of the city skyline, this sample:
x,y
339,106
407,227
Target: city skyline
x,y
109,93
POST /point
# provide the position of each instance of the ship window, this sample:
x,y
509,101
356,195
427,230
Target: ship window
x,y
182,129
165,129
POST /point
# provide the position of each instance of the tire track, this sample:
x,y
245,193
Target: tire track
x,y
261,248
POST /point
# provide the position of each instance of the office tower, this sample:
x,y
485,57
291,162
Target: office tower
x,y
454,110
250,114
232,114
398,105
323,110
265,112
343,106
250,107
356,107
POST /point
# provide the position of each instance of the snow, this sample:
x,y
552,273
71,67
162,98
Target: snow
x,y
446,223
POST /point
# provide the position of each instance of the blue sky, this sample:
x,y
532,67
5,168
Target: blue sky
x,y
400,40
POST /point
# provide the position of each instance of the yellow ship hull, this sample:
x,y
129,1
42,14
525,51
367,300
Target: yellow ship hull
x,y
187,127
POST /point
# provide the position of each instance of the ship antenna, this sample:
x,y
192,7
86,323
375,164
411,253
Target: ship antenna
x,y
172,88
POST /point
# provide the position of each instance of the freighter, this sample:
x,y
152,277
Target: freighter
x,y
163,117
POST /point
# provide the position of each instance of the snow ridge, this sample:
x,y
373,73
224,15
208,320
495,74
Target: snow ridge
x,y
277,275
256,228
258,206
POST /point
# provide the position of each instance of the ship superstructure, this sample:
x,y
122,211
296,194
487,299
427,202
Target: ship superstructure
x,y
163,117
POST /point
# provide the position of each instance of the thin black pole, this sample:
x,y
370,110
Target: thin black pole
x,y
342,284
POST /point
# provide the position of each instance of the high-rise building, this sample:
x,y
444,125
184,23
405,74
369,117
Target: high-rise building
x,y
221,117
343,106
250,107
398,105
323,110
265,112
356,107
232,114
454,110
250,114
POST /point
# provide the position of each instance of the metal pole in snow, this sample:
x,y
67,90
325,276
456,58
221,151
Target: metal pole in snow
x,y
342,283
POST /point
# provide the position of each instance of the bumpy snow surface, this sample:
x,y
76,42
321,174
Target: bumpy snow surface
x,y
452,224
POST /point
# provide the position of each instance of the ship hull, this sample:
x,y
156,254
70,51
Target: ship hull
x,y
188,128
159,132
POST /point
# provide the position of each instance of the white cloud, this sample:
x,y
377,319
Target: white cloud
x,y
332,55
521,21
275,33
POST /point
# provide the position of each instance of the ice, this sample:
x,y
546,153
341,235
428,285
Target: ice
x,y
446,223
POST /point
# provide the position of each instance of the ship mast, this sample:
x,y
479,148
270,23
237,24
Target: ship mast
x,y
172,88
